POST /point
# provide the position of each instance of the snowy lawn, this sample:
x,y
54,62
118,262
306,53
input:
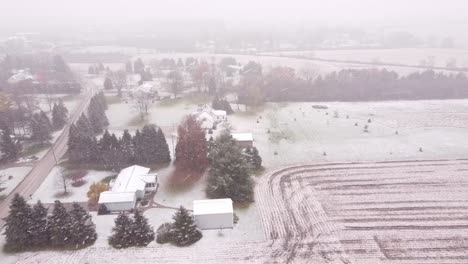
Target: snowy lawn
x,y
52,187
298,133
11,177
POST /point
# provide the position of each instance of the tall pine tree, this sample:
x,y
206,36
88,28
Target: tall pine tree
x,y
59,115
41,128
143,233
97,115
38,226
230,172
10,149
83,229
122,235
184,231
59,225
18,236
128,150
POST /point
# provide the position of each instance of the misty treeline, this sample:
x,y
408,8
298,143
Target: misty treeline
x,y
284,84
36,73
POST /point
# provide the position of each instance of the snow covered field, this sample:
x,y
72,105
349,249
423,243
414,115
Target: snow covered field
x,y
17,174
408,56
299,133
51,189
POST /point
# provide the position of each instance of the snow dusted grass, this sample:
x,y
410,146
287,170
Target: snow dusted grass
x,y
299,133
407,56
52,188
17,175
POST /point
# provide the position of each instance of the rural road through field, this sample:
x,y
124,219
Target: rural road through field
x,y
42,168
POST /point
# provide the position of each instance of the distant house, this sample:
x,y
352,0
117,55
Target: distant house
x,y
213,213
131,184
21,76
148,89
209,117
245,140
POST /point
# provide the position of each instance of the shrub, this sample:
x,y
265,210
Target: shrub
x,y
163,234
103,210
94,191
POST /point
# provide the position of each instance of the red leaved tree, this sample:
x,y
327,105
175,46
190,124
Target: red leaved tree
x,y
191,150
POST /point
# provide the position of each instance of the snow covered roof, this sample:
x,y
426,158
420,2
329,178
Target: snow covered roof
x,y
21,75
133,179
116,197
149,87
212,206
242,136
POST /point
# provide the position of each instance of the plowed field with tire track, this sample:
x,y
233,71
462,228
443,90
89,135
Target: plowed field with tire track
x,y
403,212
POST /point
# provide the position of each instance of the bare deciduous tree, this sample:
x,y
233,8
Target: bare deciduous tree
x,y
175,82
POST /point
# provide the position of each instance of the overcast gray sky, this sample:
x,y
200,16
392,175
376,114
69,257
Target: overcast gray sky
x,y
108,11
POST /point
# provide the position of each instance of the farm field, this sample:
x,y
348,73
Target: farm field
x,y
407,56
334,213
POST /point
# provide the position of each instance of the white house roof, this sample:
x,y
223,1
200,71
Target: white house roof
x,y
133,179
242,136
116,197
21,75
212,206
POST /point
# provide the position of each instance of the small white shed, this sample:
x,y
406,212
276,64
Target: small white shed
x,y
121,201
213,213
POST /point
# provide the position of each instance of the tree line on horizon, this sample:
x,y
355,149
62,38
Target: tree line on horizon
x,y
284,84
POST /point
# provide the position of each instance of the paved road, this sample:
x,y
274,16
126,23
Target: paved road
x,y
37,175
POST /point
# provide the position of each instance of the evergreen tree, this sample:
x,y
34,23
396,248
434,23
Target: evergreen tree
x,y
128,67
139,146
17,234
100,67
128,150
84,127
142,232
139,66
59,115
184,231
108,85
91,70
97,115
41,129
38,227
229,174
254,159
111,153
82,145
59,64
154,146
122,236
83,229
164,155
191,149
59,225
9,148
222,104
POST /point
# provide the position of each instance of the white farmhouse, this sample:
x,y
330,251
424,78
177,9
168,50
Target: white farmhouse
x,y
148,89
21,76
209,117
130,185
213,213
